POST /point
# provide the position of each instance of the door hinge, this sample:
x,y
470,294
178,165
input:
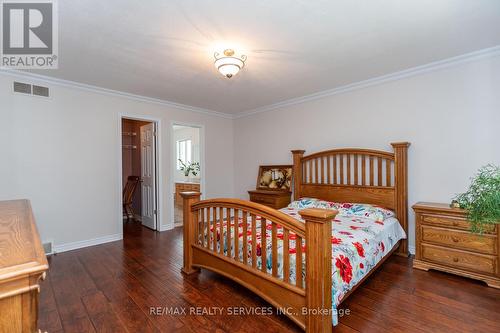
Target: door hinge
x,y
155,211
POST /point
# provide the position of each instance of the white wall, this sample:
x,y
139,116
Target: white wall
x,y
450,116
193,134
63,154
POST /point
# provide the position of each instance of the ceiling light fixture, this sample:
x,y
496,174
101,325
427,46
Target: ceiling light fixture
x,y
228,64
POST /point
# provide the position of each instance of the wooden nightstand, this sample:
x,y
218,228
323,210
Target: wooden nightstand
x,y
273,199
444,242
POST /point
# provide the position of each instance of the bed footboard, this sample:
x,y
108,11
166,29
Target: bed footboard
x,y
221,235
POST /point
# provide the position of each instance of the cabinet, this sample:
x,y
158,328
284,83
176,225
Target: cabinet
x,y
444,242
184,187
22,265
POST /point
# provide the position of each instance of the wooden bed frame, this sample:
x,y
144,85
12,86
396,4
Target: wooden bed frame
x,y
340,175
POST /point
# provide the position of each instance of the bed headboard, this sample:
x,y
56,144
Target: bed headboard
x,y
356,175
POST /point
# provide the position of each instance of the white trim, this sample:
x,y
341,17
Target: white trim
x,y
411,249
171,222
85,243
427,68
159,172
51,242
165,227
72,84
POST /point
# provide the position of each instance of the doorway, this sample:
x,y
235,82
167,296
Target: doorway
x,y
187,147
140,172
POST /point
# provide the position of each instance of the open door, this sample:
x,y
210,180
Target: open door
x,y
148,174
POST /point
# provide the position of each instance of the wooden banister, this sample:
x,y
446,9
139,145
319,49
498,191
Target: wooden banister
x,y
318,268
190,226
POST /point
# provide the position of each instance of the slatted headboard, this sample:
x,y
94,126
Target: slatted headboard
x,y
356,175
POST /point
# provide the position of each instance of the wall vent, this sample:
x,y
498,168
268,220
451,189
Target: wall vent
x,y
48,248
22,88
25,88
40,91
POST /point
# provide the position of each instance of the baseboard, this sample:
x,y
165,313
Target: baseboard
x,y
85,243
138,217
165,227
411,249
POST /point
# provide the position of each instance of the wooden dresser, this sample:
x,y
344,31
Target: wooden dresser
x,y
22,265
184,187
273,199
444,242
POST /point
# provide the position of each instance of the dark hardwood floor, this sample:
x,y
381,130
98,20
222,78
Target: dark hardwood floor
x,y
112,288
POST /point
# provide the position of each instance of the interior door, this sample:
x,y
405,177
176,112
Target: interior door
x,y
148,174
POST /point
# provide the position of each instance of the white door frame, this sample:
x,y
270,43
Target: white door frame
x,y
173,165
159,175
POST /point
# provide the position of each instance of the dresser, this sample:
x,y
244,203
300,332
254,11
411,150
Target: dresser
x,y
273,199
184,187
444,242
22,265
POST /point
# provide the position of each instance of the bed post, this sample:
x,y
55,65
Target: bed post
x,y
189,232
297,172
318,269
401,190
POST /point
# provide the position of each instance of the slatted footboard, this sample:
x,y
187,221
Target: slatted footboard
x,y
211,241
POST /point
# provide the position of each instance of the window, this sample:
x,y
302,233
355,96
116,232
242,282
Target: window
x,y
184,152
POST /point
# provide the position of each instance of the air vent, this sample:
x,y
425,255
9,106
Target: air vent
x,y
22,88
48,248
40,91
25,88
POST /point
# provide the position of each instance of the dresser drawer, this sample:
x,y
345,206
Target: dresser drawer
x,y
186,187
262,199
452,222
459,259
459,239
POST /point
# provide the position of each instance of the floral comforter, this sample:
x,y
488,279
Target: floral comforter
x,y
361,236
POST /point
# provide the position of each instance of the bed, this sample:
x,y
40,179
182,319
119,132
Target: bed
x,y
348,216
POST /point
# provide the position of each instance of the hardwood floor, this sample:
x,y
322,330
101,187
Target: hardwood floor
x,y
112,288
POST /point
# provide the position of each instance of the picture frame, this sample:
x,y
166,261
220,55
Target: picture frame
x,y
275,178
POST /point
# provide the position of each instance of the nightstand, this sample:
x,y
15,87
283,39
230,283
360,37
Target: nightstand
x,y
273,199
444,242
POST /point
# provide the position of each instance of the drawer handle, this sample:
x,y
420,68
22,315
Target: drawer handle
x,y
455,259
455,224
454,239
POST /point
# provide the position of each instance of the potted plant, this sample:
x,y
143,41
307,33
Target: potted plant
x,y
482,199
189,168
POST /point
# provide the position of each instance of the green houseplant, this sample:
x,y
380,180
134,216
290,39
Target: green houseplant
x,y
482,199
189,168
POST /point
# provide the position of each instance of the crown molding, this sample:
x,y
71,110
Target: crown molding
x,y
414,71
87,87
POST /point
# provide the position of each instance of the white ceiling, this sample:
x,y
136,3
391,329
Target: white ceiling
x,y
164,49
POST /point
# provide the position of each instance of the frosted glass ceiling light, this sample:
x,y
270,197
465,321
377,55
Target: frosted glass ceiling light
x,y
228,64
